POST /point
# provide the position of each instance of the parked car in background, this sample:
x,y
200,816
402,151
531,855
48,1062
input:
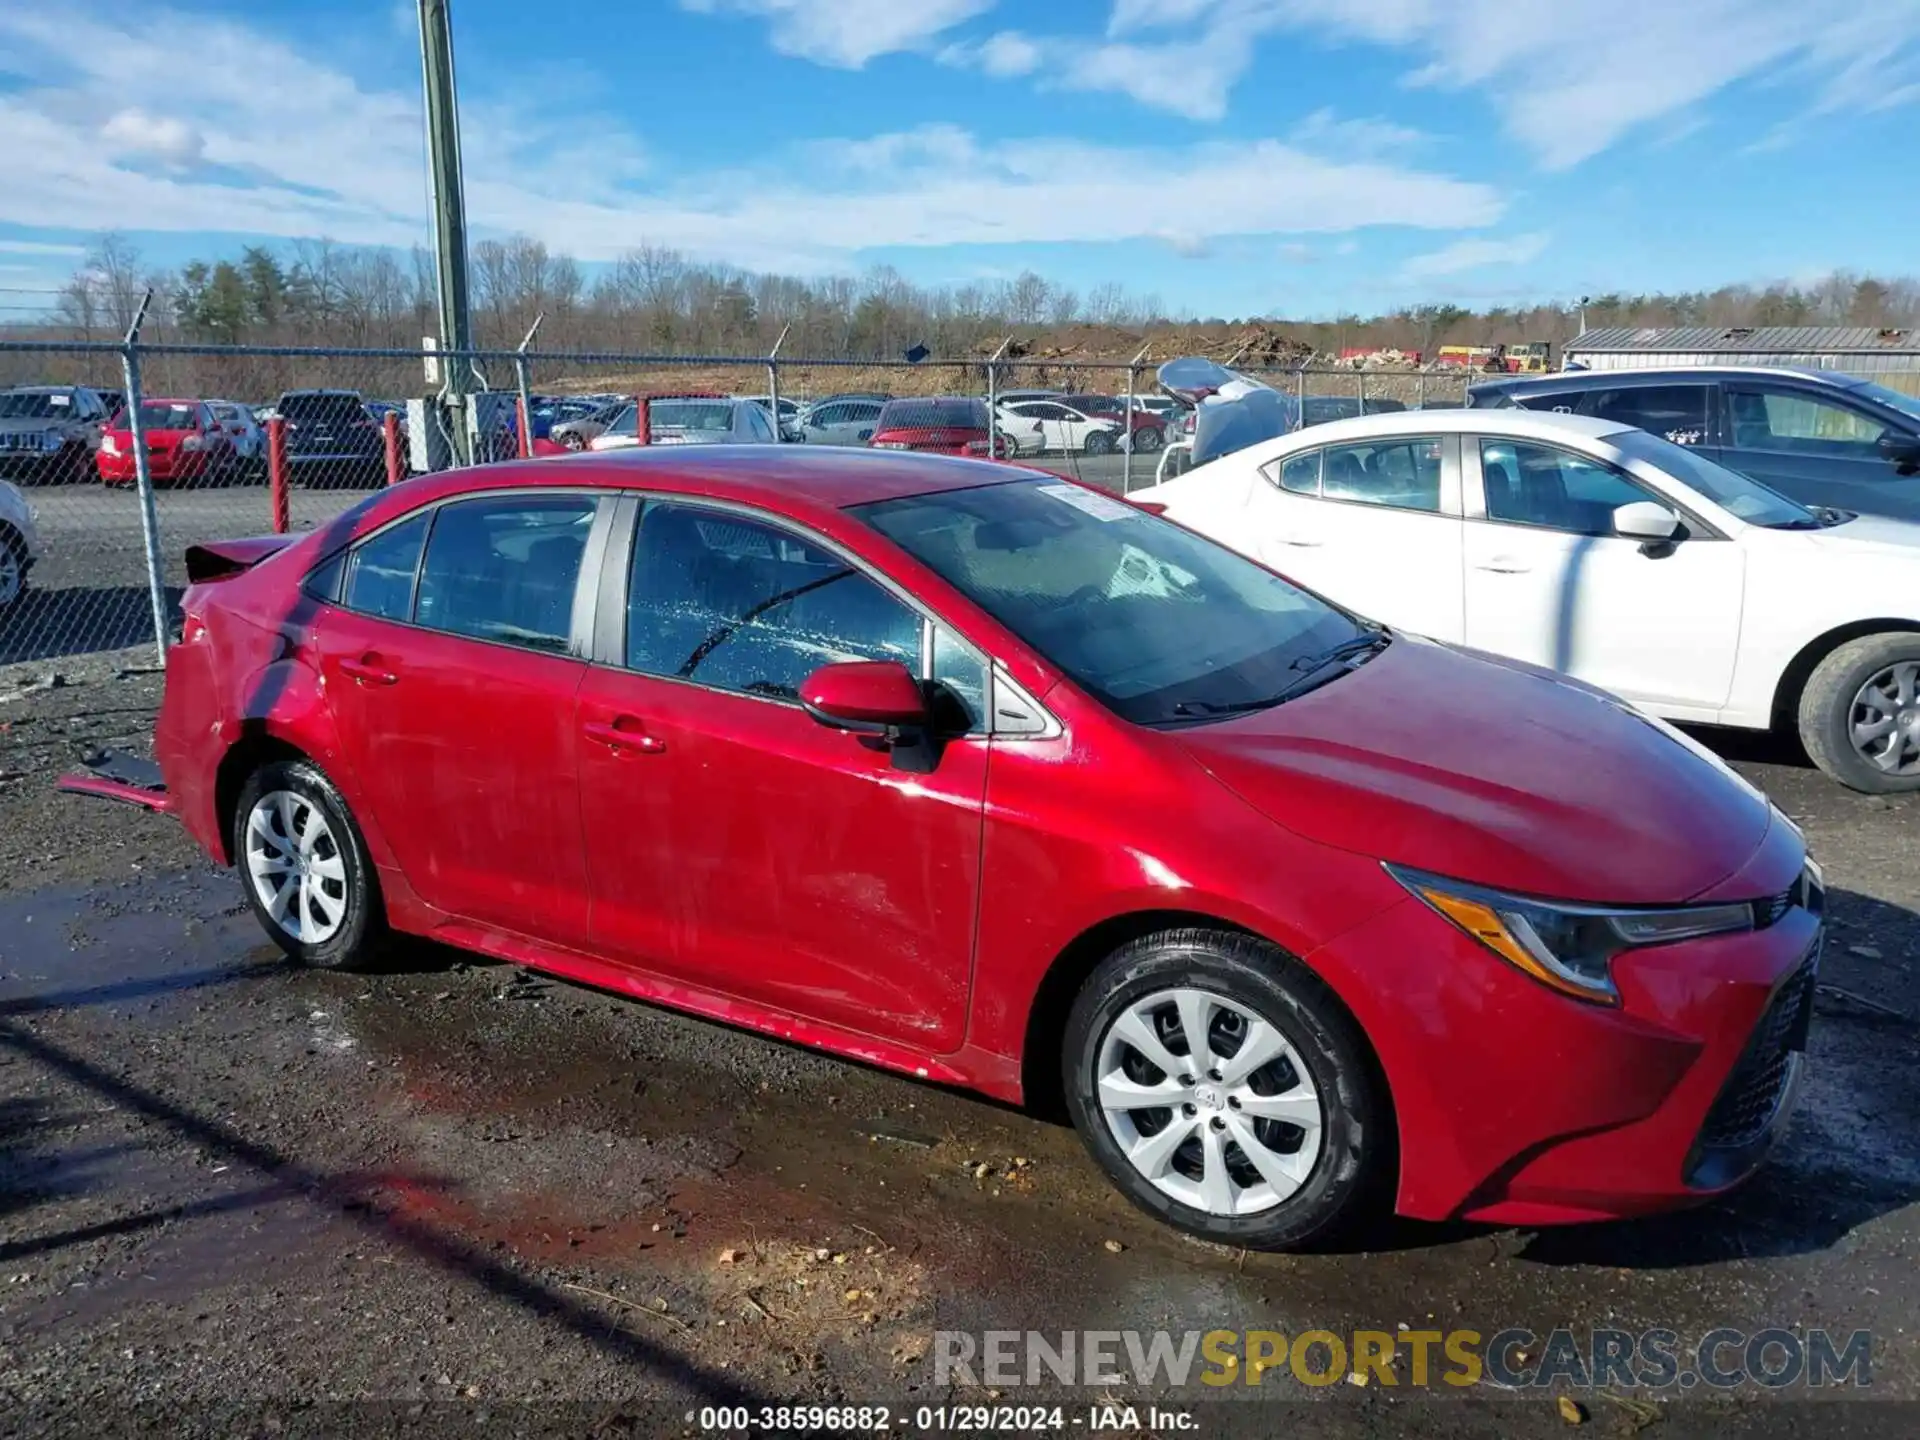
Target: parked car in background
x,y
1307,882
114,401
690,420
547,411
580,431
1147,431
20,547
839,421
1038,426
1016,397
243,431
1817,436
1320,409
49,433
1603,551
187,444
332,440
941,425
788,423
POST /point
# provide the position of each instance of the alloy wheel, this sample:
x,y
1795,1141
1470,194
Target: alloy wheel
x,y
295,863
1884,720
1209,1102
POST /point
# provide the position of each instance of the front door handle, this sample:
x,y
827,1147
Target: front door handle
x,y
624,734
1505,565
1300,542
369,669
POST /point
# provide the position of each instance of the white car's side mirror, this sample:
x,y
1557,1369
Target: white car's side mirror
x,y
1645,520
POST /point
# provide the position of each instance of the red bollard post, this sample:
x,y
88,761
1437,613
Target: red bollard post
x,y
390,432
525,428
642,421
277,474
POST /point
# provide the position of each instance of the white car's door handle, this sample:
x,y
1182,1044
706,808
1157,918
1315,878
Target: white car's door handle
x,y
1505,565
1301,542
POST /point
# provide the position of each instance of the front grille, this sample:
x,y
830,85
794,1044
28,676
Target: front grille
x,y
1751,1097
1805,893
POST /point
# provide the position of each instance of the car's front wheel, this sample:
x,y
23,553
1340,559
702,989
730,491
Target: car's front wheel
x,y
1860,713
1225,1090
1099,443
13,568
306,869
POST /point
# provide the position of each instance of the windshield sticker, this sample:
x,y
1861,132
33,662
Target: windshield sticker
x,y
1100,507
59,399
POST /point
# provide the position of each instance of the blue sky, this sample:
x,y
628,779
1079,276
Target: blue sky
x,y
1299,157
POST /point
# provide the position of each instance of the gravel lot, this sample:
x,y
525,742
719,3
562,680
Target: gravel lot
x,y
275,1200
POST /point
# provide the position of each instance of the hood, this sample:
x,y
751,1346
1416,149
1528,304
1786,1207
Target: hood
x,y
1495,772
1870,532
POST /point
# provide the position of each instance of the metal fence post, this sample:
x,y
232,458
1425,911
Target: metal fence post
x,y
993,399
277,474
526,398
390,439
1127,431
773,384
1361,377
1300,398
143,479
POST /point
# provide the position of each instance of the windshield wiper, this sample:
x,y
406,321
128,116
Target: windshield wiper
x,y
1372,641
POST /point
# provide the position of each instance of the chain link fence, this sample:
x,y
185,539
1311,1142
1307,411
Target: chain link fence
x,y
117,457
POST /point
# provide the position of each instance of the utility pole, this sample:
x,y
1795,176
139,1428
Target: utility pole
x,y
449,218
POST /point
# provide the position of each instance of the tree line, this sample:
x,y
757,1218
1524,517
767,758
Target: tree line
x,y
659,300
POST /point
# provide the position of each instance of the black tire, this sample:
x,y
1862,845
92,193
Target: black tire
x,y
1099,443
1827,704
362,931
1347,1178
1148,438
16,552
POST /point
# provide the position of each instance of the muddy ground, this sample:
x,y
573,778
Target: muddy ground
x,y
240,1198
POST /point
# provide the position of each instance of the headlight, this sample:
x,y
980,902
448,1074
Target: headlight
x,y
110,445
1569,947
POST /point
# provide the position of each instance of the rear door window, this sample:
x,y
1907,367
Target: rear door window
x,y
380,571
1401,474
506,568
1673,412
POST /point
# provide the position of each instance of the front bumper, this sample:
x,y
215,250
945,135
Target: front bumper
x,y
1517,1105
163,466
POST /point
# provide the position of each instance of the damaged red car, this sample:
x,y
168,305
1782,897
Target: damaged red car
x,y
998,781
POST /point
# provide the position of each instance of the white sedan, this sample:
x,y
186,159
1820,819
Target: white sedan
x,y
1601,551
19,545
1035,426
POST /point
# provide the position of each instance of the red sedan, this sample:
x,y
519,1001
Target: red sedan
x,y
185,443
949,425
1001,782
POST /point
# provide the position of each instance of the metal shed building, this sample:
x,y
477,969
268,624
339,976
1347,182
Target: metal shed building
x,y
1891,357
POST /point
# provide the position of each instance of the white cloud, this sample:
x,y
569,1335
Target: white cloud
x,y
291,147
849,33
1325,133
1474,254
39,247
1008,53
134,134
1569,78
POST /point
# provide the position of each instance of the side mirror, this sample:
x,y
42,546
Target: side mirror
x,y
868,697
1901,450
1646,520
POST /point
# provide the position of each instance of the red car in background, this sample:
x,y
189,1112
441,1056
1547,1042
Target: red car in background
x,y
1149,430
998,781
185,443
943,425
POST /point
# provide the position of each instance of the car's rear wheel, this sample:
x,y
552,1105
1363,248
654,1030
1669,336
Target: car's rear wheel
x,y
13,568
305,866
1225,1090
1860,714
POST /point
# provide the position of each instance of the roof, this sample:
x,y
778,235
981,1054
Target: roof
x,y
1543,425
1652,375
792,478
1748,339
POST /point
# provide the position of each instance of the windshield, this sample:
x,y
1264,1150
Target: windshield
x,y
340,409
690,415
1161,626
1907,405
933,414
1730,490
34,405
169,415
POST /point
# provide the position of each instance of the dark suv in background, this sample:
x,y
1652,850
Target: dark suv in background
x,y
1821,437
49,433
332,440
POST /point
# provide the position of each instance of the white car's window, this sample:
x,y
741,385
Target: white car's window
x,y
1556,489
1301,473
1401,473
1795,421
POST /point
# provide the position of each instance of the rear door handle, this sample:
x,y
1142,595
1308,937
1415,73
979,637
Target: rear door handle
x,y
624,733
369,669
1505,565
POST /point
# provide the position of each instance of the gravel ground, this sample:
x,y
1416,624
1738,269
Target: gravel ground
x,y
237,1197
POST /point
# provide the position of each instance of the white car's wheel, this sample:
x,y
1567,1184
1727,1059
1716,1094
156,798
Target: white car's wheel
x,y
13,568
